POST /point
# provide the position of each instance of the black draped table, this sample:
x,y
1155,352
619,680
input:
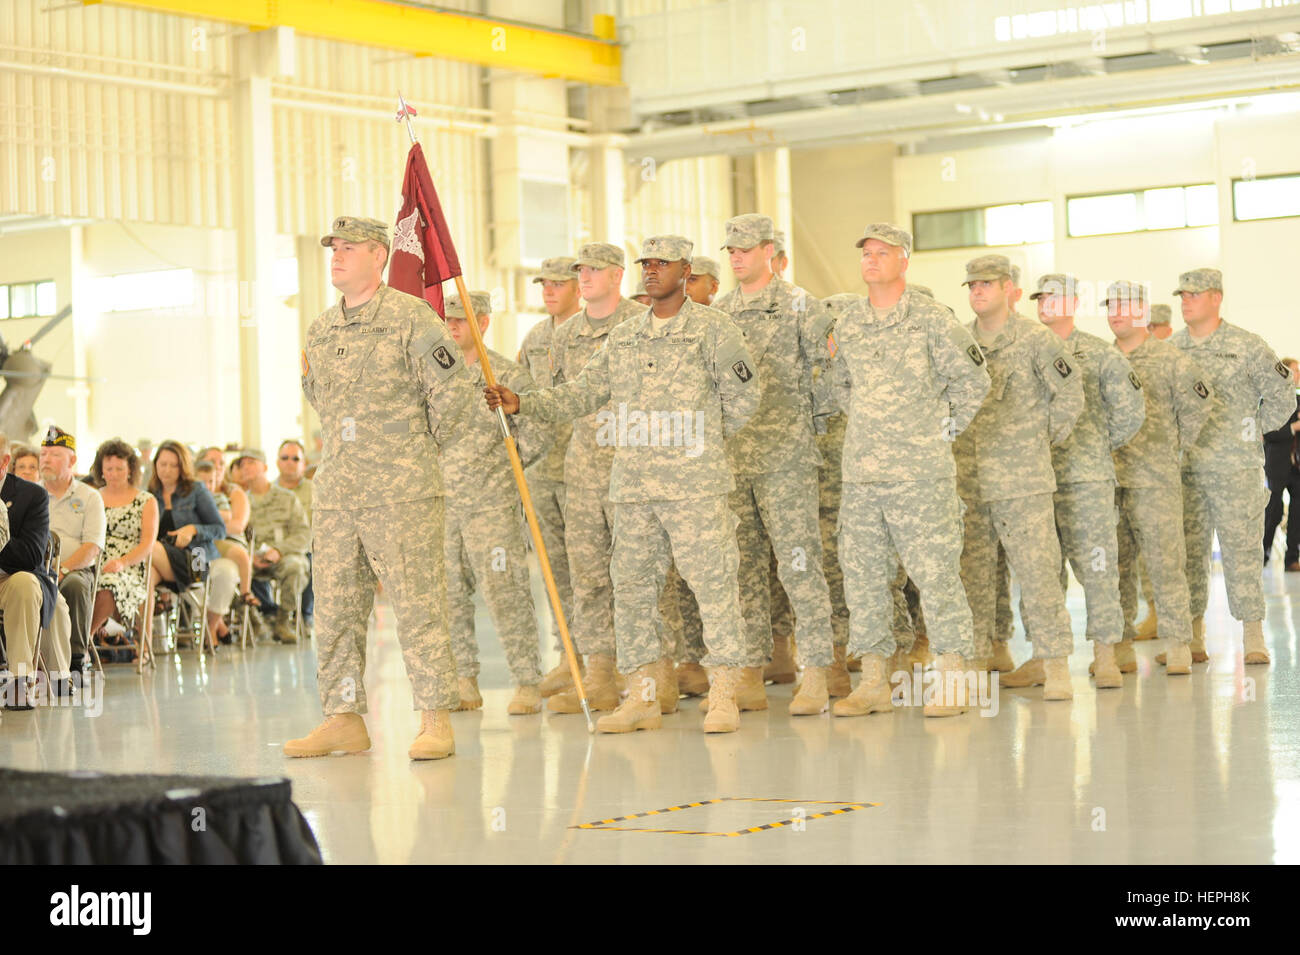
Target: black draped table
x,y
87,818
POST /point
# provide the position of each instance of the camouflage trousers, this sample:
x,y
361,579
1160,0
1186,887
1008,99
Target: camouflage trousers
x,y
485,551
830,487
589,536
1151,527
904,629
548,503
918,524
683,631
1026,528
292,573
699,536
400,546
1231,505
781,507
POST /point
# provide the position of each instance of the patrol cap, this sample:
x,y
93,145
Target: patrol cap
x,y
482,302
703,265
1161,315
357,229
778,241
1199,280
255,453
559,269
888,234
599,255
1125,291
987,268
838,302
921,289
747,231
669,248
1056,283
56,437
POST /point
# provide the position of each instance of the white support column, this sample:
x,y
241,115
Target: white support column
x,y
313,298
772,191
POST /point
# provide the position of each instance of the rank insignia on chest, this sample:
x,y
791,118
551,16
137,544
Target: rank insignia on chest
x,y
742,371
443,357
1133,380
1201,390
976,355
340,352
1062,367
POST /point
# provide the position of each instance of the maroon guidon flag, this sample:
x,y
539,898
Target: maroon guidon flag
x,y
423,256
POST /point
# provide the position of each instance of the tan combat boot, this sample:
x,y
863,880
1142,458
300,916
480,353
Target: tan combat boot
x,y
1056,682
873,692
837,677
1002,661
813,697
1177,659
284,632
669,693
470,698
527,699
1029,673
1104,667
435,740
559,679
692,680
640,710
1125,657
598,683
782,668
724,713
1147,631
1199,654
1252,639
920,652
340,733
943,704
750,692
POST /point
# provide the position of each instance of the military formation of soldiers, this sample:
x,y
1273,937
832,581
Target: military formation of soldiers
x,y
719,480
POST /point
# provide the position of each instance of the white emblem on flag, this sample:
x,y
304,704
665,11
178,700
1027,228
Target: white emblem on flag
x,y
405,238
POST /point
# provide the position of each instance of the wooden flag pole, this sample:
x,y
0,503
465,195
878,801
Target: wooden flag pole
x,y
516,465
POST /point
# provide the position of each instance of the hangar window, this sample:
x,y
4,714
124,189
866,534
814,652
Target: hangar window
x,y
1169,207
1014,223
1268,197
27,300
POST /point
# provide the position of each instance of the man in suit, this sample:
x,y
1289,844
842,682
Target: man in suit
x,y
27,592
1283,475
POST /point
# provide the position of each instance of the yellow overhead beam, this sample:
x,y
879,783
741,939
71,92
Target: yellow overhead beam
x,y
421,31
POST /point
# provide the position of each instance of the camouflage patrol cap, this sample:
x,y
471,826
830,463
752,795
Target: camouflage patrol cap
x,y
357,229
987,268
1199,280
257,454
668,248
703,265
1056,283
888,234
599,255
778,241
1161,315
559,269
838,302
747,231
922,290
1125,291
481,301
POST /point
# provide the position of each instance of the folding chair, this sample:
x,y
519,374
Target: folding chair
x,y
143,648
53,547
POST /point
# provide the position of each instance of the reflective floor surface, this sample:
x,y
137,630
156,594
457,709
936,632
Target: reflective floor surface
x,y
1201,769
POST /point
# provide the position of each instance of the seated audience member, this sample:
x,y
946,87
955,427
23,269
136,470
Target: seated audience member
x,y
27,592
77,517
282,538
291,461
188,527
131,528
233,547
26,464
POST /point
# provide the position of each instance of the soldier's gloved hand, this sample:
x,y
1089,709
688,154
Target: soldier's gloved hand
x,y
499,396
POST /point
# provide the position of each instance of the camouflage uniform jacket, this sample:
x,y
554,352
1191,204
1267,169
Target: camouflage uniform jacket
x,y
387,385
1035,396
1178,403
1253,395
276,519
1113,410
785,331
910,378
538,356
305,493
674,396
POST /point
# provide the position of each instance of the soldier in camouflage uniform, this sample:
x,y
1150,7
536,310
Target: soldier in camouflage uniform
x,y
1005,474
483,534
1162,317
589,512
1113,411
1161,328
909,378
389,386
675,381
1146,471
1223,472
546,476
775,462
706,274
282,533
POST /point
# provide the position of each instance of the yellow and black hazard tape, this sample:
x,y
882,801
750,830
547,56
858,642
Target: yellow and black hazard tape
x,y
608,825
